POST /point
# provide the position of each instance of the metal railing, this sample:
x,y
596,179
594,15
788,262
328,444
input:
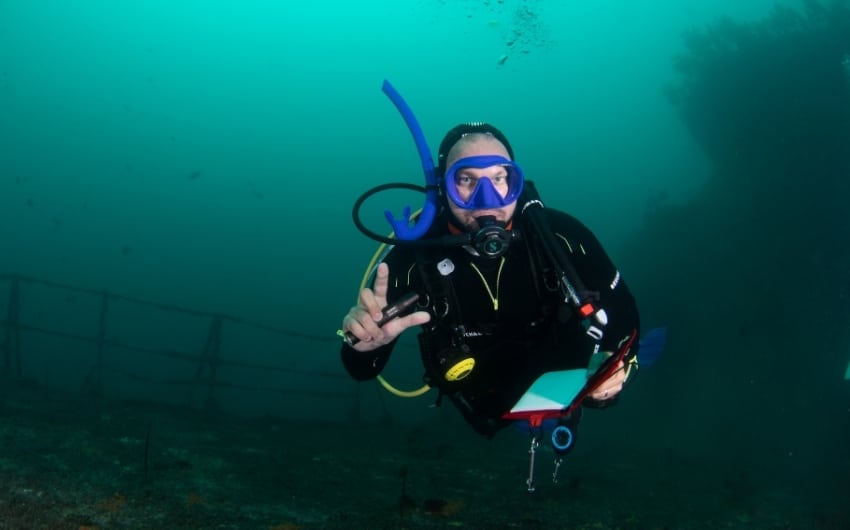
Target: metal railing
x,y
206,368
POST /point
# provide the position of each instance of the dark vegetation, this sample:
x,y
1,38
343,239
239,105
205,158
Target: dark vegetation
x,y
756,268
752,275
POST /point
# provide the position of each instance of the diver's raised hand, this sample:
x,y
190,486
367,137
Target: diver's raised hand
x,y
362,320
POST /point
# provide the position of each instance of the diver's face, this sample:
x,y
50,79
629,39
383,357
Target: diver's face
x,y
467,178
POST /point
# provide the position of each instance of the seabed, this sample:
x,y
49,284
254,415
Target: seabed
x,y
86,463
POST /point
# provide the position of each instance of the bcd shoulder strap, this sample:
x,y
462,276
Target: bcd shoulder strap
x,y
537,229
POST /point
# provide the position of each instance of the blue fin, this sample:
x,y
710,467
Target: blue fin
x,y
651,346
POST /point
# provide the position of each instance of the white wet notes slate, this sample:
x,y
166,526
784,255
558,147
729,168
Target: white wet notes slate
x,y
552,391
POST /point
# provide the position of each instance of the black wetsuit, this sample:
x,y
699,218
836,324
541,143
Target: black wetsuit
x,y
515,322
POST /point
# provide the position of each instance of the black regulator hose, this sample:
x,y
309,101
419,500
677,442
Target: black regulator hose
x,y
449,240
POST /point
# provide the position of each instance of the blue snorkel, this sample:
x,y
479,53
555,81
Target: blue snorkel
x,y
490,240
402,227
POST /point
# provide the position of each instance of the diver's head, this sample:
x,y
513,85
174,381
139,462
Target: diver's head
x,y
477,175
460,131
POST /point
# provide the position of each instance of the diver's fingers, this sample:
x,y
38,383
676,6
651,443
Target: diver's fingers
x,y
362,320
373,300
360,323
619,375
369,336
351,324
382,277
368,311
370,304
611,386
396,326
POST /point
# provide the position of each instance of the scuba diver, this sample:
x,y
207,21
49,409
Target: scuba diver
x,y
485,283
523,317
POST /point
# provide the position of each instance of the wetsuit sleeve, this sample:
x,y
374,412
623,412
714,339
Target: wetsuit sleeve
x,y
601,276
363,366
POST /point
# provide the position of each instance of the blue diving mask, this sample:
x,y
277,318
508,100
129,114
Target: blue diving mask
x,y
486,195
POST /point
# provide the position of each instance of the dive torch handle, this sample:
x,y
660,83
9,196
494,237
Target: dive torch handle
x,y
389,312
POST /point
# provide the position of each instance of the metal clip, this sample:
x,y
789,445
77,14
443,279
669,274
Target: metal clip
x,y
594,332
531,453
558,462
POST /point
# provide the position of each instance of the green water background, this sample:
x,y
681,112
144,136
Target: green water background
x,y
207,154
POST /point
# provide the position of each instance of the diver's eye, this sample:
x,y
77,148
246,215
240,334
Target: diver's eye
x,y
465,180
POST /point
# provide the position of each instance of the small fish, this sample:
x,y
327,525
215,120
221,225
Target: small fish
x,y
194,175
502,59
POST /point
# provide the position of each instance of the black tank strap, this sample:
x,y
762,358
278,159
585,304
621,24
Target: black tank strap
x,y
445,328
538,232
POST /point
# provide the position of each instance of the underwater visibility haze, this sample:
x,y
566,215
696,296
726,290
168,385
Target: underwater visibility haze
x,y
177,251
